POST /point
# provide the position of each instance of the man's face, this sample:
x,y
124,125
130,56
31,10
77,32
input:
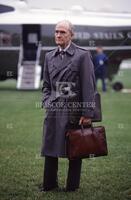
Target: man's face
x,y
62,35
99,50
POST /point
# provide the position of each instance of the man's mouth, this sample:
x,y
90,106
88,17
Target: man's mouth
x,y
59,40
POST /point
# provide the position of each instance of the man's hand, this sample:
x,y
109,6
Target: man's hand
x,y
85,121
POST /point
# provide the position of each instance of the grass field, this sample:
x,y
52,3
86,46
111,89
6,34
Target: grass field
x,y
125,77
21,167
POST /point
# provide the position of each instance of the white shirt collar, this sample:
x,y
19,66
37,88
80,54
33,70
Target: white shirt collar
x,y
65,49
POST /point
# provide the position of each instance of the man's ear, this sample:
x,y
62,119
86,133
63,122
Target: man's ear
x,y
72,35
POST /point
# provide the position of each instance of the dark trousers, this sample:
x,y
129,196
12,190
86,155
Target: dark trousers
x,y
50,178
103,82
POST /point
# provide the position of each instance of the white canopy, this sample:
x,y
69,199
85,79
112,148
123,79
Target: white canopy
x,y
26,13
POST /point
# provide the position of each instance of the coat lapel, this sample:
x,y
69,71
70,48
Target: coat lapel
x,y
58,64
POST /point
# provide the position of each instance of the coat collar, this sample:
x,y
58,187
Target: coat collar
x,y
70,50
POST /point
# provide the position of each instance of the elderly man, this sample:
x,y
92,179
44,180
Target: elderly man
x,y
68,80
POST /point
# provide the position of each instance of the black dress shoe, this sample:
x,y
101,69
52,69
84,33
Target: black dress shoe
x,y
68,189
45,189
48,189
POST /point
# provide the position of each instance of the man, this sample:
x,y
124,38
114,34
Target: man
x,y
68,79
100,63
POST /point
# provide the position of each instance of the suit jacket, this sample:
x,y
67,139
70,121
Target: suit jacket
x,y
68,93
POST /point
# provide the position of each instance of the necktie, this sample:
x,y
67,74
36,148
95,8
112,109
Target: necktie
x,y
62,53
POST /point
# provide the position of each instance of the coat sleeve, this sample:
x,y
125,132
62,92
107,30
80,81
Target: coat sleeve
x,y
46,88
88,87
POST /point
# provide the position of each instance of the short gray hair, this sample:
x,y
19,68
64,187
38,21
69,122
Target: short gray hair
x,y
67,23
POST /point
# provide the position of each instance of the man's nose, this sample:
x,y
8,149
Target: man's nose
x,y
58,35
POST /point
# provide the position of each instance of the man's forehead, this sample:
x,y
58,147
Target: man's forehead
x,y
62,27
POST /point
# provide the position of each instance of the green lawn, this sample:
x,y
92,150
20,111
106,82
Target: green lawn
x,y
21,167
124,75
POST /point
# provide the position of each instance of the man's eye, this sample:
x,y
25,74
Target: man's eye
x,y
61,32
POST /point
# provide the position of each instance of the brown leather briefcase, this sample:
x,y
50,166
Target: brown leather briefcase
x,y
86,142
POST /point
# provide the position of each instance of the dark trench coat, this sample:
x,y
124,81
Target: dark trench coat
x,y
66,81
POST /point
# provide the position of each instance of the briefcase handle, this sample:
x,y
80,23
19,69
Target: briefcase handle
x,y
90,126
